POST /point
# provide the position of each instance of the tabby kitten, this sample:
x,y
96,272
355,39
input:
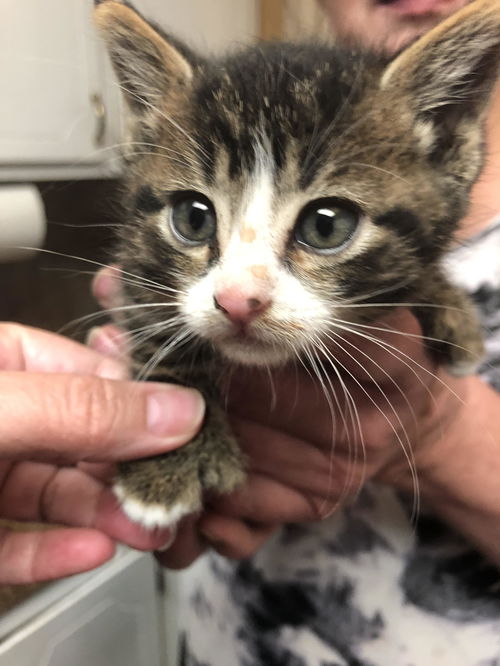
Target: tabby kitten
x,y
272,192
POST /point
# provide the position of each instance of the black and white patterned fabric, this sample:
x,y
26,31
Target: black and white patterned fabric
x,y
365,587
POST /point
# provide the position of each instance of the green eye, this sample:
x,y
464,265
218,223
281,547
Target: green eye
x,y
192,218
326,225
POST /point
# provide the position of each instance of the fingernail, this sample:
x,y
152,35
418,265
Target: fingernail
x,y
169,541
175,412
106,286
100,340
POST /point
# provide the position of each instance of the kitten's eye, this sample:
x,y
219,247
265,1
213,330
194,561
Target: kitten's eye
x,y
326,225
192,218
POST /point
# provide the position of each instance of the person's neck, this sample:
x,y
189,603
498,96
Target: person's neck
x,y
485,197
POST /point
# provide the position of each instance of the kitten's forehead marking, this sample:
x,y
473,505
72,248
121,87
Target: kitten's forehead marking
x,y
250,258
260,193
260,272
248,234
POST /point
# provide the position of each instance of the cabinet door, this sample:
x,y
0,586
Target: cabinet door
x,y
55,82
112,617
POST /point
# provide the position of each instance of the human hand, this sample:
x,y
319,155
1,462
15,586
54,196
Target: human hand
x,y
67,412
301,467
309,453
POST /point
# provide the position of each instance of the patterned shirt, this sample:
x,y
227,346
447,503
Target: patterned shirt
x,y
366,587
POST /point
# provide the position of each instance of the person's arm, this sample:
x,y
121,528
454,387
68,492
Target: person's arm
x,y
460,474
62,404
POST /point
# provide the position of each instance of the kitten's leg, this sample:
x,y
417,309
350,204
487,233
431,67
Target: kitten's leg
x,y
454,322
221,463
159,491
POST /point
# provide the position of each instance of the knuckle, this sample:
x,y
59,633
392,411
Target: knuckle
x,y
94,409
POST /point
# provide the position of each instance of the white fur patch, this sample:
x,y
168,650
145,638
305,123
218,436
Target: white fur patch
x,y
150,516
251,259
425,133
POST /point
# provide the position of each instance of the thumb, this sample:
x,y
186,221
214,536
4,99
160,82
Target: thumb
x,y
73,417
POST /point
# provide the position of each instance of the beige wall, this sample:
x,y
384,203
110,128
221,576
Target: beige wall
x,y
303,18
210,25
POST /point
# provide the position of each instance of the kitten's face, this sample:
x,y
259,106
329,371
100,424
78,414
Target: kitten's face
x,y
252,253
266,249
283,190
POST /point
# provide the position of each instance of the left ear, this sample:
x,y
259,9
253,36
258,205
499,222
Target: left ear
x,y
449,74
150,66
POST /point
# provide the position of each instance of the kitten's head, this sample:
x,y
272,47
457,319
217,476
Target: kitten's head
x,y
279,188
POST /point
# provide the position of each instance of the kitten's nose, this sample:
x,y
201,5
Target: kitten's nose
x,y
239,306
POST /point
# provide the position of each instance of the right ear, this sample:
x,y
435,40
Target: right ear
x,y
448,76
149,66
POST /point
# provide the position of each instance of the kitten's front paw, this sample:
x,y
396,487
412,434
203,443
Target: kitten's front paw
x,y
151,515
225,474
158,492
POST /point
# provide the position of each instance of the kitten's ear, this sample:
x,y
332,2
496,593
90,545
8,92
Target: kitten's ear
x,y
449,74
148,65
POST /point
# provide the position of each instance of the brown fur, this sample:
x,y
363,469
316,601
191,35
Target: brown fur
x,y
401,144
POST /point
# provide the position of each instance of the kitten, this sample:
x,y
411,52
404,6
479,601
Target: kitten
x,y
272,192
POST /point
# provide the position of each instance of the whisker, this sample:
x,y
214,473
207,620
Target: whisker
x,y
119,272
390,329
351,447
383,371
105,313
387,346
406,451
162,352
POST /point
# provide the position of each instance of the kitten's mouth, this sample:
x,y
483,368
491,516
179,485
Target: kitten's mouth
x,y
248,348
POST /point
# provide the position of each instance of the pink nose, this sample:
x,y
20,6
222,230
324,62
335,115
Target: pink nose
x,y
241,307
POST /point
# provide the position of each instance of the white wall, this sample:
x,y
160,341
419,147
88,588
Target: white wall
x,y
53,69
210,25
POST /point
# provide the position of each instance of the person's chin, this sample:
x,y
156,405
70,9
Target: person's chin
x,y
402,36
400,23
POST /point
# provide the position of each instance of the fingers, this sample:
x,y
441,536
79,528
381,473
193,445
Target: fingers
x,y
39,556
234,538
264,500
372,352
90,418
67,496
189,544
387,352
29,349
237,525
108,341
228,536
302,464
106,287
340,412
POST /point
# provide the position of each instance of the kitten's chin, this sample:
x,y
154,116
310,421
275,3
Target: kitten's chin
x,y
255,354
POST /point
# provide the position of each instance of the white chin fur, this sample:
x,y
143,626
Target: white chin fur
x,y
150,516
245,355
